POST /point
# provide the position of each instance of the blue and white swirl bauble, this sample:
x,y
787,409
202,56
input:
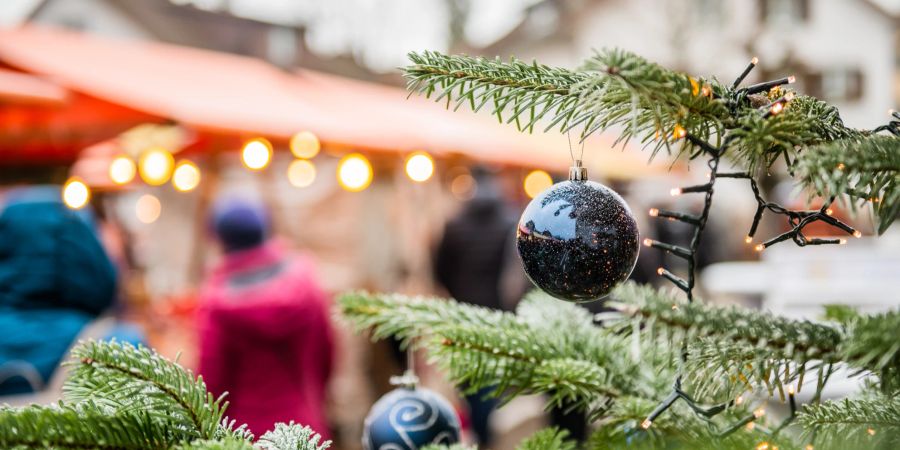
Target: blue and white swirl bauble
x,y
408,419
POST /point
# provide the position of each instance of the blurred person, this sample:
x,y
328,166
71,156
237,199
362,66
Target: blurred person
x,y
265,332
474,259
55,278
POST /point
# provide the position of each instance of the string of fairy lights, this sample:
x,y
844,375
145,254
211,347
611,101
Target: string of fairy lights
x,y
797,219
157,166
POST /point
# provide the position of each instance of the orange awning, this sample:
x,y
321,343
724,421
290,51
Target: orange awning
x,y
21,88
235,95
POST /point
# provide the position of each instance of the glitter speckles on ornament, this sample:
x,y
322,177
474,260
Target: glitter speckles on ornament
x,y
577,240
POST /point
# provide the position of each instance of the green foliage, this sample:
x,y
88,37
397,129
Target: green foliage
x,y
854,423
84,426
867,169
548,439
127,378
292,437
872,345
448,447
123,397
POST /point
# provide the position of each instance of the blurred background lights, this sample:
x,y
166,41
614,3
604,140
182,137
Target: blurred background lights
x,y
186,176
148,208
463,186
354,172
122,170
257,154
419,166
155,166
76,194
305,145
301,173
536,182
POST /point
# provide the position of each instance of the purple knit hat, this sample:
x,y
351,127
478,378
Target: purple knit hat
x,y
240,224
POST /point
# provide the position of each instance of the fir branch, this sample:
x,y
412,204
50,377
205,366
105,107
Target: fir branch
x,y
292,437
548,439
222,444
854,423
84,427
127,379
872,345
866,168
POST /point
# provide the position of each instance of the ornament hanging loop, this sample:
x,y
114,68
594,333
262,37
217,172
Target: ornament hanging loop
x,y
409,379
577,172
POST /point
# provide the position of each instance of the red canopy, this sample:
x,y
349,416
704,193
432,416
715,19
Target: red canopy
x,y
240,96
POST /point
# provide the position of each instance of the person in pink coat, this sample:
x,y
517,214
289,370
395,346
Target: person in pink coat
x,y
264,323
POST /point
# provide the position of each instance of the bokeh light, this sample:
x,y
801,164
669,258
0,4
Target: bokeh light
x,y
186,176
419,166
301,173
305,145
148,208
536,182
155,166
463,186
122,170
257,154
354,172
76,194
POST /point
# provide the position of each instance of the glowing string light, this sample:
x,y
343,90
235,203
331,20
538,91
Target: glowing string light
x,y
76,194
419,167
537,181
256,154
122,170
354,172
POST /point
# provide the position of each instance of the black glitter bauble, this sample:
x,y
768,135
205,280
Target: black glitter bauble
x,y
408,419
577,240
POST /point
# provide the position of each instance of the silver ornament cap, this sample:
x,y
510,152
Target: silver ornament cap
x,y
577,172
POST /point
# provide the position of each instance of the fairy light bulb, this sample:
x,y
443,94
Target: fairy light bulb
x,y
792,79
419,167
842,241
646,424
829,212
790,389
857,234
739,400
871,431
759,412
679,132
257,154
301,173
122,170
305,145
155,166
536,181
777,108
75,193
675,192
186,176
354,172
648,242
748,239
148,209
754,61
654,212
660,271
759,247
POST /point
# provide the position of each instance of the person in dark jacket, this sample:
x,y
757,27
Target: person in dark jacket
x,y
475,254
55,278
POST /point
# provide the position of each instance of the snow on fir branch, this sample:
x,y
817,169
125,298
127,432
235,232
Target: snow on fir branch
x,y
118,396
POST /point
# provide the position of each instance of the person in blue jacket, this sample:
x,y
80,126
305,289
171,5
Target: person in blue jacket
x,y
55,278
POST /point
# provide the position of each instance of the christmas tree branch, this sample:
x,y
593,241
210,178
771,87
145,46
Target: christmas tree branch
x,y
854,423
129,378
872,345
864,168
548,439
292,437
84,427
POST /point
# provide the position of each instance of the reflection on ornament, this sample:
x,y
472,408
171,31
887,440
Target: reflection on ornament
x,y
186,176
578,239
122,170
536,182
148,208
256,154
410,418
354,172
75,193
419,166
305,145
301,173
155,166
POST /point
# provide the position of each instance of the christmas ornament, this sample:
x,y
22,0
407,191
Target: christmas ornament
x,y
577,239
409,418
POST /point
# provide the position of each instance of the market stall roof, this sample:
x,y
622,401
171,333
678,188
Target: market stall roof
x,y
21,88
230,94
